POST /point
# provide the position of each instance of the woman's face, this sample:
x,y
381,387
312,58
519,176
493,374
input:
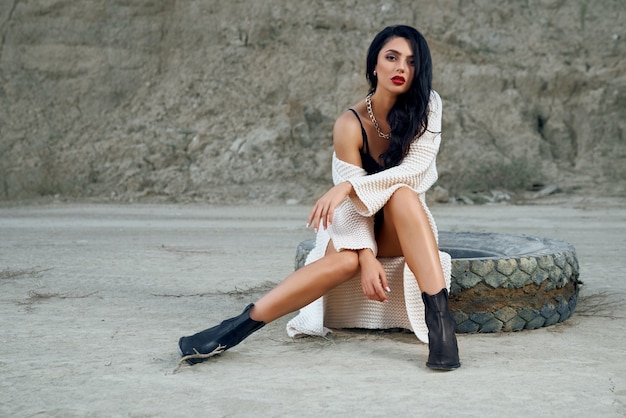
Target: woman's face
x,y
395,66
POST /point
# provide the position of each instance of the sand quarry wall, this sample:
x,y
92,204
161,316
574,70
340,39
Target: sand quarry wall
x,y
233,101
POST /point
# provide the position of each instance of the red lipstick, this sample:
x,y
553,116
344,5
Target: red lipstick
x,y
398,80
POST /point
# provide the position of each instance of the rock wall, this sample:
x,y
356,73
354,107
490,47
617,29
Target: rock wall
x,y
233,101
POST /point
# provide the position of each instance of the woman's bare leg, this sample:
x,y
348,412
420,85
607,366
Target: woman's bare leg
x,y
297,290
406,231
306,285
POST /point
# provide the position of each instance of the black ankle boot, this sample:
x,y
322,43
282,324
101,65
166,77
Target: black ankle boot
x,y
444,351
216,340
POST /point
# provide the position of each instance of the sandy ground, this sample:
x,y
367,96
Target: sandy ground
x,y
93,299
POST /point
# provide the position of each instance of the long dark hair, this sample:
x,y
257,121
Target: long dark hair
x,y
408,117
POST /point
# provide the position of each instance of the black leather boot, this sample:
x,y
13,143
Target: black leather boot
x,y
210,342
444,351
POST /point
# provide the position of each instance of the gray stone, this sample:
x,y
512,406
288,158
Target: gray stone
x,y
493,325
570,259
539,276
505,314
553,319
555,274
506,266
468,326
563,306
568,271
545,262
482,267
496,279
527,264
514,324
548,310
481,317
528,314
460,267
455,288
559,260
459,317
536,322
468,280
519,279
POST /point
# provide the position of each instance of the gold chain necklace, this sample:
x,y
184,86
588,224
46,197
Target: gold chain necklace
x,y
368,103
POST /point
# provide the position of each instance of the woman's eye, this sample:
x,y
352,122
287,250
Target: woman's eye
x,y
391,57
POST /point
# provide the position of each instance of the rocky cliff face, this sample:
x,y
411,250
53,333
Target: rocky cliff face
x,y
233,101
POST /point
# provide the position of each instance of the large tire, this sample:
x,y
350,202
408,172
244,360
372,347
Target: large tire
x,y
503,282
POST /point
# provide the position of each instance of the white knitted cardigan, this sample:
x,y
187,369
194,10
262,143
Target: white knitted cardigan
x,y
346,306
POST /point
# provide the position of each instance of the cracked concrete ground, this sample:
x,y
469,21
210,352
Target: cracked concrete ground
x,y
93,299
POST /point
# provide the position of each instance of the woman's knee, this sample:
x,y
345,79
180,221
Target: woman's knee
x,y
347,262
402,194
403,200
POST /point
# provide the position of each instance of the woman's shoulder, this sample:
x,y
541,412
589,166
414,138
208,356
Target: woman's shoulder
x,y
348,138
347,127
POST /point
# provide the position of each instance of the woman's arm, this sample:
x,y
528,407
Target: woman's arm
x,y
351,231
347,139
373,277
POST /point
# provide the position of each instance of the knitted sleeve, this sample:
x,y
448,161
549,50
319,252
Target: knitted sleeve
x,y
417,170
350,230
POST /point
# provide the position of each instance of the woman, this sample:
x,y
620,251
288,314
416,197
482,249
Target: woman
x,y
384,161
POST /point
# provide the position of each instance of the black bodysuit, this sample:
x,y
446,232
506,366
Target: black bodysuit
x,y
371,166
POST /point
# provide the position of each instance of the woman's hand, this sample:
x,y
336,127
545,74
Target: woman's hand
x,y
373,277
324,209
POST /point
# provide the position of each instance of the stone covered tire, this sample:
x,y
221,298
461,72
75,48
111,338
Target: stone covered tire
x,y
504,282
